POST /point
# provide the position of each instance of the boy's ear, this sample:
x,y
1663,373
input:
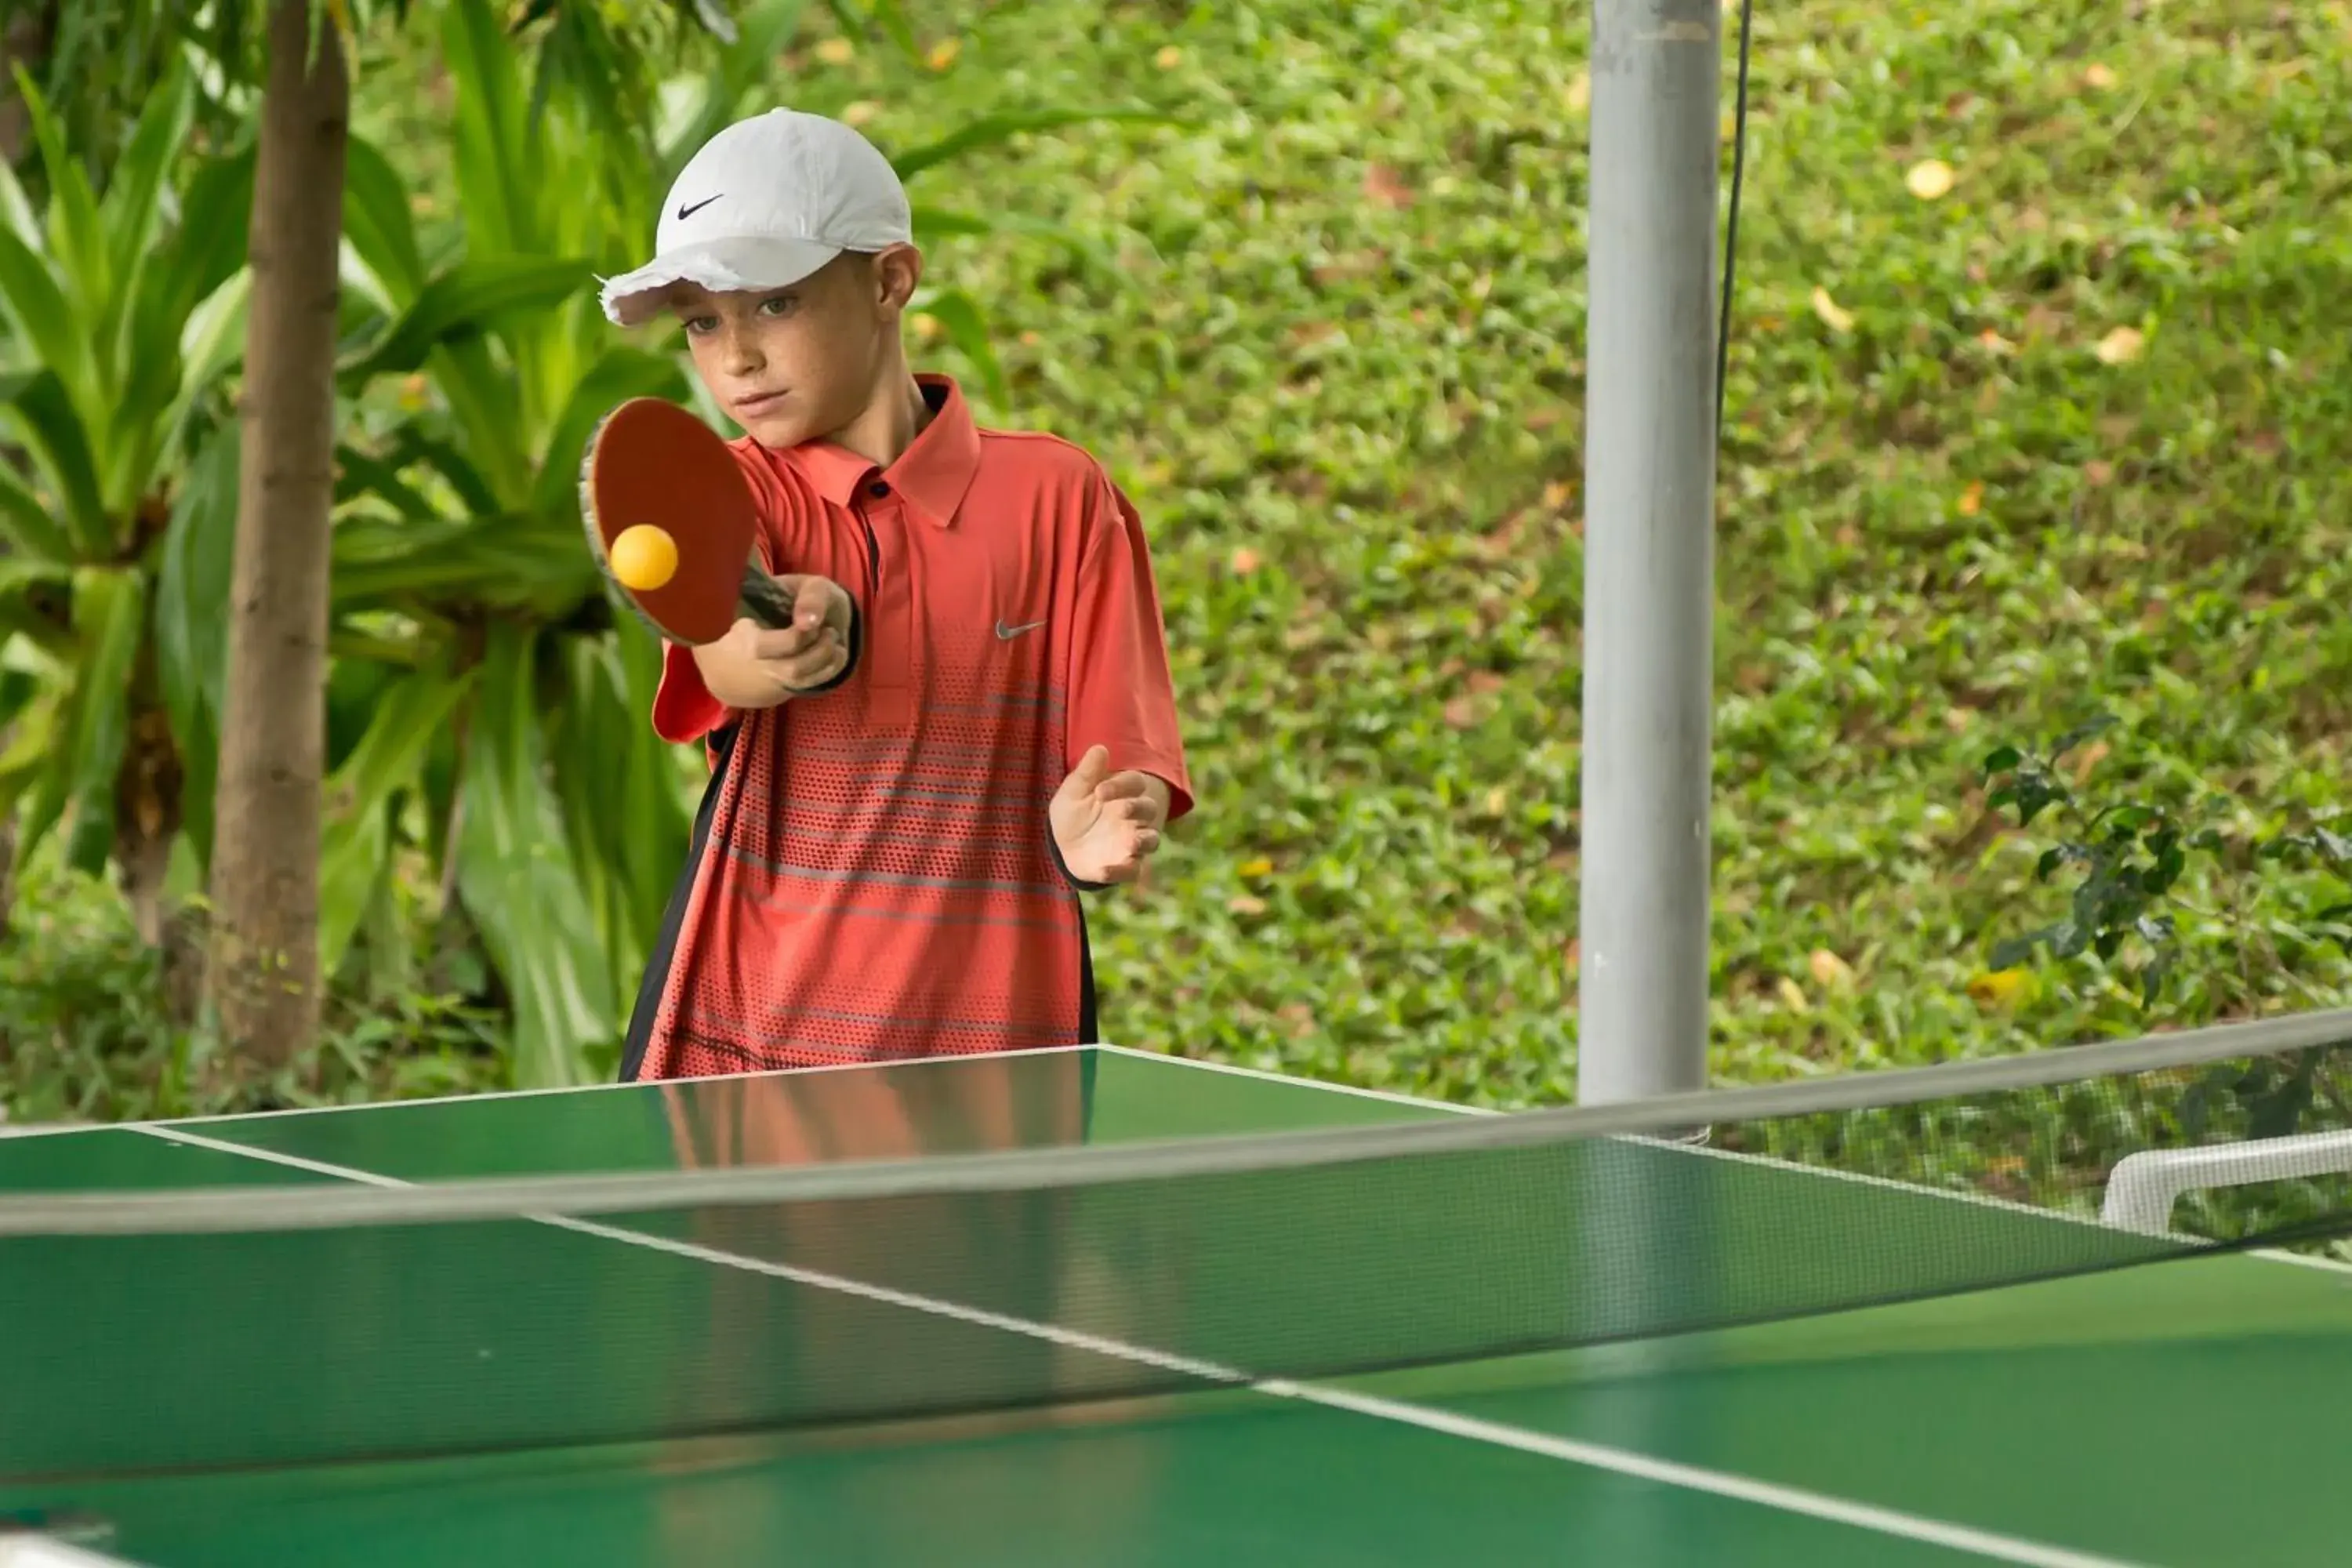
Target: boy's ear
x,y
896,271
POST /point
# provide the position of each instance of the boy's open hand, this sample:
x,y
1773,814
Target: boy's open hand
x,y
1106,824
755,667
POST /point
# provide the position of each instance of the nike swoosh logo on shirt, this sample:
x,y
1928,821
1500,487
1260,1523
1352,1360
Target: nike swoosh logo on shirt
x,y
1006,634
685,212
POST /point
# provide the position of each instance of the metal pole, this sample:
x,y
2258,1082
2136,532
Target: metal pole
x,y
1649,570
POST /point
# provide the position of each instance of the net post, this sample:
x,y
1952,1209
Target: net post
x,y
1649,600
1649,469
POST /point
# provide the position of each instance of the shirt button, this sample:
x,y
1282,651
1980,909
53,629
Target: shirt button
x,y
878,489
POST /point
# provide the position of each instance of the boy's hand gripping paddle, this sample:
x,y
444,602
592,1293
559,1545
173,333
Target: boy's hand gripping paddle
x,y
670,521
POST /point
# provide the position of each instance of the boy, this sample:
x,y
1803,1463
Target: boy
x,y
971,720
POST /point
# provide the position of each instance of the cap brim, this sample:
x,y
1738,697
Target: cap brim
x,y
721,266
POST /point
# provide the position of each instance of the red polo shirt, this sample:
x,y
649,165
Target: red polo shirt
x,y
871,876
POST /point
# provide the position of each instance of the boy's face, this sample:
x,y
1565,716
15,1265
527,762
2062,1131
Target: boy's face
x,y
799,364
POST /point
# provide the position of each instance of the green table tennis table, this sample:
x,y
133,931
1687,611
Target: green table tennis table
x,y
2182,1412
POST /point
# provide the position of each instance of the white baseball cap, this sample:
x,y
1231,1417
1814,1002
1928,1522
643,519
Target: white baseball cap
x,y
762,204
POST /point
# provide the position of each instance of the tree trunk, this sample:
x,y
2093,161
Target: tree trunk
x,y
147,795
262,976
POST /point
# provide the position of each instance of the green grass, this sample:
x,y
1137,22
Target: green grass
x,y
1333,346
96,1026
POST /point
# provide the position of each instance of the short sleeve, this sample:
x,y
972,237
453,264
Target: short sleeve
x,y
684,708
1122,697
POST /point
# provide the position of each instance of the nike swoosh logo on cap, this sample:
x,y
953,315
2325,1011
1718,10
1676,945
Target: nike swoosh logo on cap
x,y
685,212
1006,634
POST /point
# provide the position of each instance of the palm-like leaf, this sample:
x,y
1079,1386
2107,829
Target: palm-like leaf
x,y
191,632
384,768
110,613
121,301
519,887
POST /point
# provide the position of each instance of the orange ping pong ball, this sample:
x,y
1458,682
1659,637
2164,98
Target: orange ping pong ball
x,y
644,557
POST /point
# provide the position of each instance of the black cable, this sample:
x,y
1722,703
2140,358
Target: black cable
x,y
1731,225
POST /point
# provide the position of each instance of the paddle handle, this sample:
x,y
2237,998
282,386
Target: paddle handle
x,y
762,598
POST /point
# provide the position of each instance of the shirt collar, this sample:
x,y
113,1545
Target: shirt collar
x,y
933,473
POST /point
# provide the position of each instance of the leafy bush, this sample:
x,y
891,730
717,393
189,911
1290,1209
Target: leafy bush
x,y
2280,899
94,1023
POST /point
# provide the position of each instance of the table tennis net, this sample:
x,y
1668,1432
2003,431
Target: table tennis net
x,y
264,1334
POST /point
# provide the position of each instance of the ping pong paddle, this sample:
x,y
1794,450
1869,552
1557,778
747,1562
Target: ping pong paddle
x,y
671,523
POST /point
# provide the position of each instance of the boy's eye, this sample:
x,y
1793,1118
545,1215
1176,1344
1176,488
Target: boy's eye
x,y
777,305
696,325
